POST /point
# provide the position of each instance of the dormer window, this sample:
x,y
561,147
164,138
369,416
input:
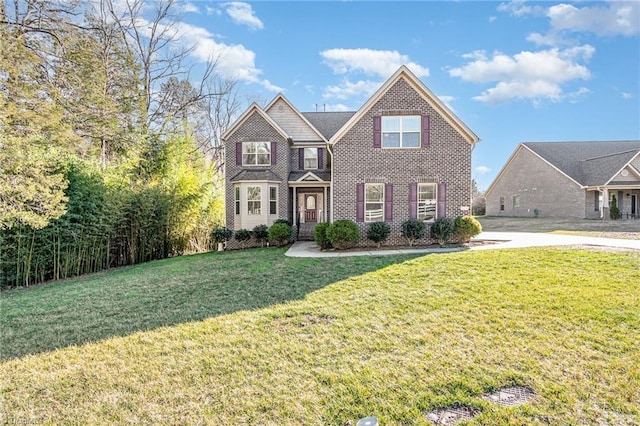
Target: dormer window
x,y
401,131
256,153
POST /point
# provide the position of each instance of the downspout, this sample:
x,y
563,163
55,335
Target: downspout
x,y
331,182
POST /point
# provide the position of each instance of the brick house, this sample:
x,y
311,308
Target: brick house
x,y
568,179
402,155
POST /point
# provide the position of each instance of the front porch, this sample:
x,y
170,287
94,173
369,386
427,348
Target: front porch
x,y
627,200
309,194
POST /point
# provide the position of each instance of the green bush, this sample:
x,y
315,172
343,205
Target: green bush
x,y
280,233
614,211
412,230
261,234
343,234
221,234
282,221
243,235
320,235
443,229
378,232
467,227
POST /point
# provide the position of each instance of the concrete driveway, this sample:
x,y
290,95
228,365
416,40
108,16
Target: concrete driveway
x,y
506,240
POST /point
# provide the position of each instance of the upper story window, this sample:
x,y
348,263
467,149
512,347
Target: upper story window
x,y
401,131
311,158
373,202
426,201
256,153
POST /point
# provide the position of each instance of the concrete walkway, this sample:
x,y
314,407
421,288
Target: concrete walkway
x,y
506,240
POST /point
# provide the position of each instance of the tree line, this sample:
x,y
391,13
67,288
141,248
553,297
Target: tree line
x,y
110,148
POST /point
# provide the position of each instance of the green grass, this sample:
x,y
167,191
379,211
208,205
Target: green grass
x,y
256,338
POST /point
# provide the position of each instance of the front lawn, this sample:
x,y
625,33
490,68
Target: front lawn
x,y
256,338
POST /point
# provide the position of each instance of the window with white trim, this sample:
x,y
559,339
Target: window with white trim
x,y
311,158
373,202
401,131
427,201
256,153
254,200
273,200
237,199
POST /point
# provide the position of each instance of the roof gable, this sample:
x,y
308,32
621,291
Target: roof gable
x,y
254,108
292,121
404,73
588,163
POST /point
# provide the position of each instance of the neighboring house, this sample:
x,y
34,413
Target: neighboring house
x,y
568,179
402,155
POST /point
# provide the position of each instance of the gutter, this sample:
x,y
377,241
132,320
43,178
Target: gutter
x,y
330,183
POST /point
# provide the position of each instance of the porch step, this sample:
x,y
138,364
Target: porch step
x,y
306,231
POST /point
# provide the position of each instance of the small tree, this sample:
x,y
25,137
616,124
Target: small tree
x,y
443,229
343,234
320,235
243,235
280,233
614,211
412,230
261,234
467,227
378,232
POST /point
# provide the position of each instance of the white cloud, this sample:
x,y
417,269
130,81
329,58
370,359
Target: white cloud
x,y
447,100
526,75
338,107
377,62
518,8
348,89
212,10
614,18
627,95
242,13
233,60
482,170
492,19
189,7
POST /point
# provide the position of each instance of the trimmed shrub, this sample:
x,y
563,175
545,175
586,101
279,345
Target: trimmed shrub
x,y
320,235
378,232
467,227
243,235
412,230
343,234
261,233
282,221
614,211
221,234
280,233
442,229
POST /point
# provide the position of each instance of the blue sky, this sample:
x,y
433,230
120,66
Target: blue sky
x,y
512,71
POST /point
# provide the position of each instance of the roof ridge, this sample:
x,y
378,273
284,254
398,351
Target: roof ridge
x,y
611,155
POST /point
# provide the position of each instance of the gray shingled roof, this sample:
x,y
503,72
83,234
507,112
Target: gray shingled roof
x,y
324,175
588,163
328,123
256,174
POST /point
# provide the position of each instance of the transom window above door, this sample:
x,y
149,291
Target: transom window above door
x,y
311,158
401,131
256,153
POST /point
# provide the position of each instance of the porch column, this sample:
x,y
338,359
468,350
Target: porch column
x,y
605,204
295,206
324,206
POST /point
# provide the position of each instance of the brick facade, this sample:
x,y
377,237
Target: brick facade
x,y
355,160
540,187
